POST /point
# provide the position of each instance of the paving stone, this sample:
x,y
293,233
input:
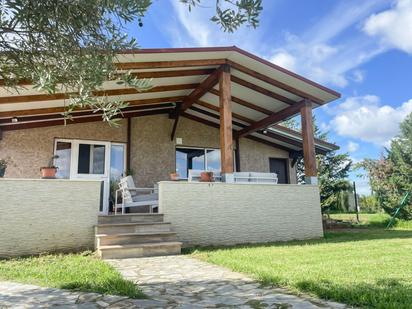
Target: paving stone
x,y
170,282
186,282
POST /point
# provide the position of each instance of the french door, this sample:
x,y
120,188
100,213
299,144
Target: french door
x,y
85,159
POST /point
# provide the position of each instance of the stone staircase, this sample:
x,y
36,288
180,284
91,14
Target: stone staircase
x,y
135,235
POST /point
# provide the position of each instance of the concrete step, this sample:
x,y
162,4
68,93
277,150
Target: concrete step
x,y
144,227
139,250
130,218
134,238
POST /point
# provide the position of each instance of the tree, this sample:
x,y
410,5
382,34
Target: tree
x,y
390,177
70,46
333,170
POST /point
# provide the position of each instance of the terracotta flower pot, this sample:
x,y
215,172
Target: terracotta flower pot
x,y
206,177
48,172
174,176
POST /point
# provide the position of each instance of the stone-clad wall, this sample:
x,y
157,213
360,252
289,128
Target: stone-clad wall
x,y
38,216
153,153
226,214
29,149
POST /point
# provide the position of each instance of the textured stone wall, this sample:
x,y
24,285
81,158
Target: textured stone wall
x,y
39,216
225,214
255,156
29,149
153,153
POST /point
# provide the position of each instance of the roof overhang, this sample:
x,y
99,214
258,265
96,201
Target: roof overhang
x,y
259,89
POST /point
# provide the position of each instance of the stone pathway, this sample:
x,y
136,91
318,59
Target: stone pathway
x,y
16,296
184,282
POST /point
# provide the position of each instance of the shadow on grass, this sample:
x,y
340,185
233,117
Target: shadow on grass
x,y
339,236
388,293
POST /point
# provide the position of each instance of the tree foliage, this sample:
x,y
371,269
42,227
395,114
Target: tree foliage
x,y
390,177
333,170
70,46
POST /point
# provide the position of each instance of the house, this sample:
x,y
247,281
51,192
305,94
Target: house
x,y
212,108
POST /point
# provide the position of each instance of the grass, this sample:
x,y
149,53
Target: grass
x,y
377,220
370,268
80,272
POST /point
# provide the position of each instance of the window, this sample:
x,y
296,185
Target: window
x,y
196,159
91,159
117,161
64,151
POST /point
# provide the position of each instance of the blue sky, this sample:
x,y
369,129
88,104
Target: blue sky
x,y
362,49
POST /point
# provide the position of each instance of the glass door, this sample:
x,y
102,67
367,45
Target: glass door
x,y
83,159
91,160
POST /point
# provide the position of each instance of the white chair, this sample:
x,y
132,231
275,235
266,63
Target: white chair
x,y
265,178
135,197
241,177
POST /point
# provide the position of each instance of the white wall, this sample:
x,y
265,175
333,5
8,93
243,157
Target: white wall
x,y
39,215
224,214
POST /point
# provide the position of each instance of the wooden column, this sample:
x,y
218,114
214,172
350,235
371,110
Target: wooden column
x,y
309,156
225,103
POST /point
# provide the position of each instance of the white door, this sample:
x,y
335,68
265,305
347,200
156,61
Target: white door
x,y
83,159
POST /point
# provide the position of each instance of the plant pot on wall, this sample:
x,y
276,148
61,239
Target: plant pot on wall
x,y
48,172
206,177
174,176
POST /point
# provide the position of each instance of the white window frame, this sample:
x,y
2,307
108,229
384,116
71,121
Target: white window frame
x,y
205,149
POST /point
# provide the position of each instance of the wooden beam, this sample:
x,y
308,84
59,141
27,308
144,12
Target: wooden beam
x,y
226,136
215,125
262,90
50,123
309,155
272,119
54,110
245,103
216,109
270,134
274,82
147,74
201,90
169,64
82,113
177,114
110,92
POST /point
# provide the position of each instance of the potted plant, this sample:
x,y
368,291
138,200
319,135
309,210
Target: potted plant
x,y
206,177
3,166
174,176
49,171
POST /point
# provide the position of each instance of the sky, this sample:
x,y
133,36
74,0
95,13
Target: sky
x,y
362,49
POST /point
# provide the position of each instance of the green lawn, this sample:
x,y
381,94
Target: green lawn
x,y
81,272
369,268
372,220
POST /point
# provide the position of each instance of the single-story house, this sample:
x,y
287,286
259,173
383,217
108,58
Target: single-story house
x,y
215,109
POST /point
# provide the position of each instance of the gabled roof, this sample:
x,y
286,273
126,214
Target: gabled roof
x,y
259,89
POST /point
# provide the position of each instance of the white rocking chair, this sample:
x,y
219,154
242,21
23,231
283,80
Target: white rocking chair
x,y
135,197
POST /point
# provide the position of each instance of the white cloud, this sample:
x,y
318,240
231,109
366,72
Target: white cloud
x,y
352,146
313,53
393,26
365,118
358,76
285,60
